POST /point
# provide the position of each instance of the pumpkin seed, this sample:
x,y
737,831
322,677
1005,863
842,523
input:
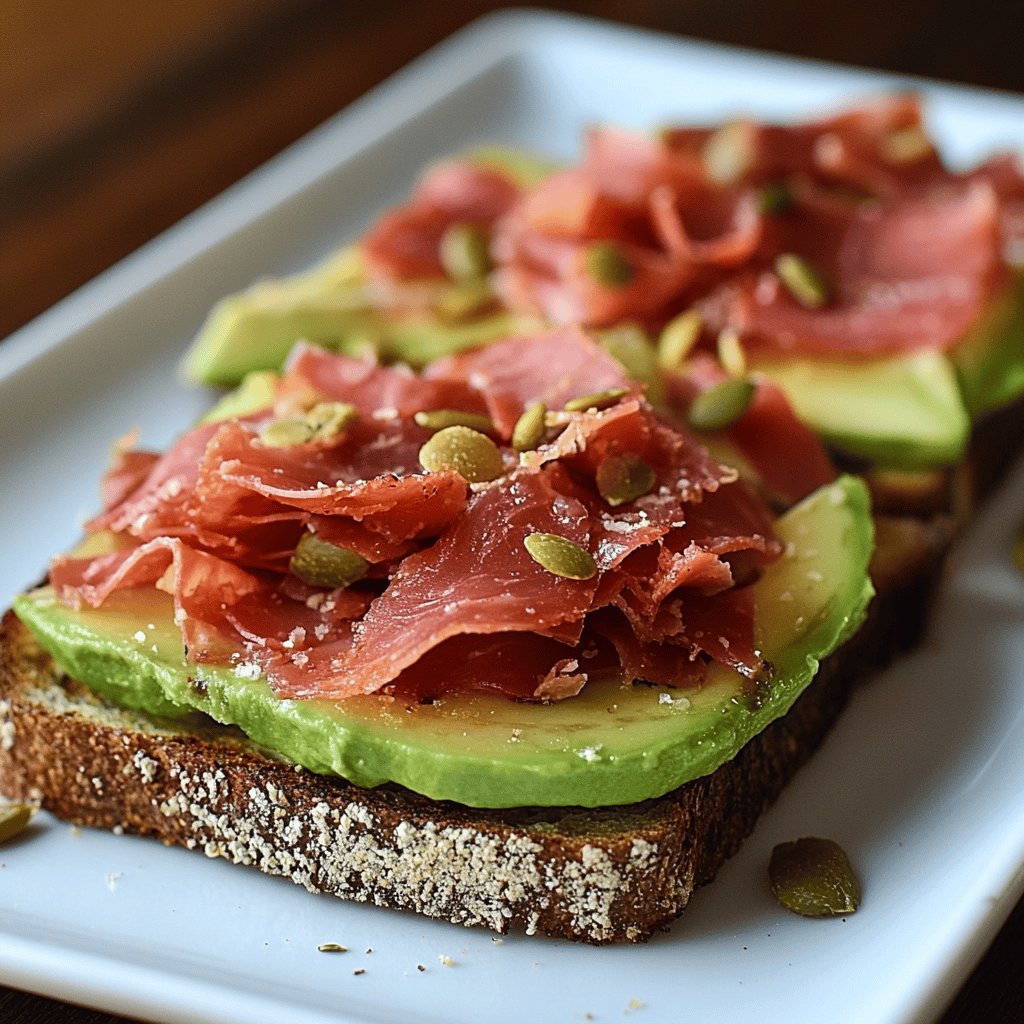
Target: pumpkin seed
x,y
14,818
322,564
287,432
906,145
622,478
729,153
722,405
677,339
608,265
560,556
775,197
730,353
464,251
332,947
597,400
528,432
438,419
467,452
813,877
803,280
328,419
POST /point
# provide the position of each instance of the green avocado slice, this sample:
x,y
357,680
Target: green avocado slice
x,y
612,744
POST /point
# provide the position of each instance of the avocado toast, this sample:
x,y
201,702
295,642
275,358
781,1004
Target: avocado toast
x,y
422,761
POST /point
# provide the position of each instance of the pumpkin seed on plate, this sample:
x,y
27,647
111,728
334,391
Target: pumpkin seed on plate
x,y
622,478
464,251
465,451
803,280
597,400
14,818
529,430
332,947
438,419
677,339
721,405
608,265
322,564
813,878
560,556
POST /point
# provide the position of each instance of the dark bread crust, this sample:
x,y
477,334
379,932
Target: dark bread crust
x,y
604,875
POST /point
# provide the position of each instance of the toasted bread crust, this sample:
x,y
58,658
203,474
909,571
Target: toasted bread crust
x,y
604,875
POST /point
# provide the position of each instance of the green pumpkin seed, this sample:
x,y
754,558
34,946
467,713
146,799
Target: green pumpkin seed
x,y
608,265
906,145
560,556
597,400
677,339
730,353
438,419
286,433
14,818
332,947
529,430
465,451
622,478
775,198
720,406
803,280
813,877
729,153
464,251
322,564
328,419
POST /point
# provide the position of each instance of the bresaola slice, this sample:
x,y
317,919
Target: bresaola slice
x,y
447,573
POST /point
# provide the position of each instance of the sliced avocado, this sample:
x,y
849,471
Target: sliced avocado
x,y
612,744
902,412
990,363
256,392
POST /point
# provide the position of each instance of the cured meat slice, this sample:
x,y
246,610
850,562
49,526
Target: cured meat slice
x,y
405,243
477,579
552,368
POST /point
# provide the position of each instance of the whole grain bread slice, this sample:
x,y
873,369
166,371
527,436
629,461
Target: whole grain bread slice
x,y
602,875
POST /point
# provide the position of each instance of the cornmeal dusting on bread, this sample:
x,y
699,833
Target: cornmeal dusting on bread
x,y
8,732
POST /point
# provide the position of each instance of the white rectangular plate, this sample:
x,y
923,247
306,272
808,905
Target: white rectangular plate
x,y
920,782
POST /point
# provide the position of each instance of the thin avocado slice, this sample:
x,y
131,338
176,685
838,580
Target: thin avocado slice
x,y
990,363
256,391
902,412
612,744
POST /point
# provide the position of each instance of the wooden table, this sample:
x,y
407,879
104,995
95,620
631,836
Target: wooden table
x,y
119,117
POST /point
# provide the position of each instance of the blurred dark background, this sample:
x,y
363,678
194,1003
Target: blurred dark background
x,y
118,117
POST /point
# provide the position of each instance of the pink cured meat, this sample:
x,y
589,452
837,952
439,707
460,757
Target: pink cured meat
x,y
478,578
404,244
916,274
551,368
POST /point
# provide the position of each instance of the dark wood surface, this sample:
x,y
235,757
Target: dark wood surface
x,y
119,117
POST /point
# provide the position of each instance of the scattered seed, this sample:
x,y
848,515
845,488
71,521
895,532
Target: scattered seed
x,y
420,968
286,433
813,877
622,478
775,197
906,145
438,419
14,818
608,265
560,556
464,251
729,153
528,432
677,339
722,405
328,419
598,400
465,451
332,947
730,353
445,961
359,970
803,280
322,564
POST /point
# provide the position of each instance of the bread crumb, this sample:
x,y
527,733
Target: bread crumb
x,y
497,940
420,968
75,830
359,970
445,961
113,879
636,1004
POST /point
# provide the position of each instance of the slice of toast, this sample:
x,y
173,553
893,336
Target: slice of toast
x,y
603,875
